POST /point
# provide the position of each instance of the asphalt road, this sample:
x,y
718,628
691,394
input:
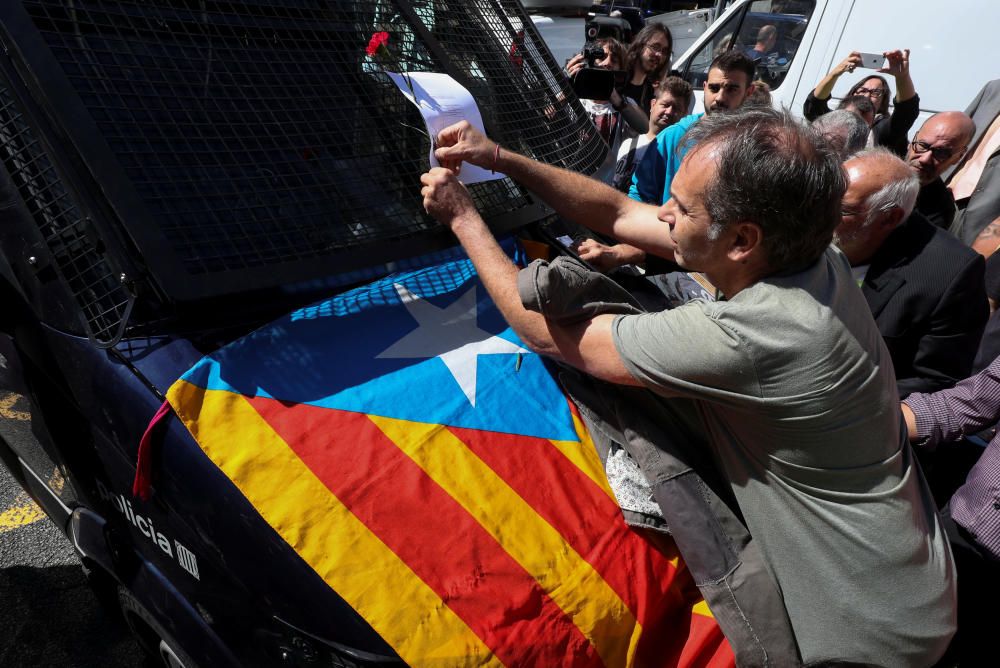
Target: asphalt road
x,y
50,616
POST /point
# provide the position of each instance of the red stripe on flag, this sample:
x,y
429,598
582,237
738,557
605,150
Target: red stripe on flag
x,y
577,508
658,594
432,534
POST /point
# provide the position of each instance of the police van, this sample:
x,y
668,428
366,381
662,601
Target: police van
x,y
177,174
187,187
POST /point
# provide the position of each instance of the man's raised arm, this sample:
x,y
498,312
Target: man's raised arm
x,y
574,196
587,345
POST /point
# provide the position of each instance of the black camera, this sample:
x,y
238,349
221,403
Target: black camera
x,y
593,52
592,82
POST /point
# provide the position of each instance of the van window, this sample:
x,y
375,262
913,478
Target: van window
x,y
779,25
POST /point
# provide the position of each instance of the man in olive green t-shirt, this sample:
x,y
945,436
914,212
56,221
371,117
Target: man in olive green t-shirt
x,y
790,375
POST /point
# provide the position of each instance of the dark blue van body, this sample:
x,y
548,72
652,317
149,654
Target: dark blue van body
x,y
175,175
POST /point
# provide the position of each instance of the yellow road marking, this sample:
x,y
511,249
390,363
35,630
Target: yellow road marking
x,y
22,512
7,405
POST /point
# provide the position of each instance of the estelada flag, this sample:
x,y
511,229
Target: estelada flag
x,y
427,466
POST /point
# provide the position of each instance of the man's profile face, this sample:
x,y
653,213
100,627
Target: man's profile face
x,y
725,90
938,145
666,110
687,217
854,233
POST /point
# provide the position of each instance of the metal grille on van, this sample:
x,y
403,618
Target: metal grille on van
x,y
256,135
66,232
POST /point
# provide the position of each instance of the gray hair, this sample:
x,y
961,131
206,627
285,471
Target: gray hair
x,y
844,130
899,192
776,172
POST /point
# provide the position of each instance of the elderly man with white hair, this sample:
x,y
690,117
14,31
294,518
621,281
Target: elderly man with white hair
x,y
845,131
924,287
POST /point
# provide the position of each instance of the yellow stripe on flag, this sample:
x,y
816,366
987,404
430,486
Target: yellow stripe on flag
x,y
583,454
324,532
586,459
564,575
701,608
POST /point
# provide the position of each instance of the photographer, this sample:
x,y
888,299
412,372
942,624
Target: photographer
x,y
616,118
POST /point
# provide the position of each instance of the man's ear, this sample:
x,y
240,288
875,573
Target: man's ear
x,y
891,219
749,92
746,242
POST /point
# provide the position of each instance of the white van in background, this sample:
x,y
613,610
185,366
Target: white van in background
x,y
953,46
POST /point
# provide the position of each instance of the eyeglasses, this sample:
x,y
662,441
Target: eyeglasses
x,y
657,49
873,92
938,153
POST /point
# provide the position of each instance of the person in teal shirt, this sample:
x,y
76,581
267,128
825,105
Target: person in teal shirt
x,y
728,85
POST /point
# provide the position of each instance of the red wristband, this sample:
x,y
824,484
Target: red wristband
x,y
496,157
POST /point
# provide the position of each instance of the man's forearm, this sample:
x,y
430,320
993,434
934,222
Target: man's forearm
x,y
587,345
591,203
572,195
499,274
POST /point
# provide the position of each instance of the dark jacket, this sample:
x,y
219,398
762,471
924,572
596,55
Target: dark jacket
x,y
666,437
890,131
936,204
926,291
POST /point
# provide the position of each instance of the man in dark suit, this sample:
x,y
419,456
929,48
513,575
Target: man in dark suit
x,y
925,288
975,183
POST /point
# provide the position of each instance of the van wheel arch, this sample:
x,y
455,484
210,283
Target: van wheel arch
x,y
153,639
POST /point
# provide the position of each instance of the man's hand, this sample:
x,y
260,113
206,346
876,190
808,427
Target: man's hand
x,y
899,63
460,143
606,258
911,422
575,64
446,199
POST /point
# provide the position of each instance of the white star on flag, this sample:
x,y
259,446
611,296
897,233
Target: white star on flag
x,y
451,334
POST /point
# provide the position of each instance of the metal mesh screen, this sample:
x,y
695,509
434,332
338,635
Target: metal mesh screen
x,y
258,132
93,283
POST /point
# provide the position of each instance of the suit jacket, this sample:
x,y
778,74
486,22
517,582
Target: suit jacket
x,y
984,203
926,291
935,203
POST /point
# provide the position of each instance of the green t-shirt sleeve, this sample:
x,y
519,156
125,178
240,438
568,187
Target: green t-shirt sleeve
x,y
688,351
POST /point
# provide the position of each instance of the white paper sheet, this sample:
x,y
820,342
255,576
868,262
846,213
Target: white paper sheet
x,y
442,101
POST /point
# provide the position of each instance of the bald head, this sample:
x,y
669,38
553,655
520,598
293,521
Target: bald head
x,y
767,36
881,193
940,143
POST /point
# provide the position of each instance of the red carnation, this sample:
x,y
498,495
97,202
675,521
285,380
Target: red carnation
x,y
378,50
379,40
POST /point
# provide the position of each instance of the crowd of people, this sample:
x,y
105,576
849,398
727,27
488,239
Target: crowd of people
x,y
829,359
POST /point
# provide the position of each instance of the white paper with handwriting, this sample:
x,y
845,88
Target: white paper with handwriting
x,y
442,101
